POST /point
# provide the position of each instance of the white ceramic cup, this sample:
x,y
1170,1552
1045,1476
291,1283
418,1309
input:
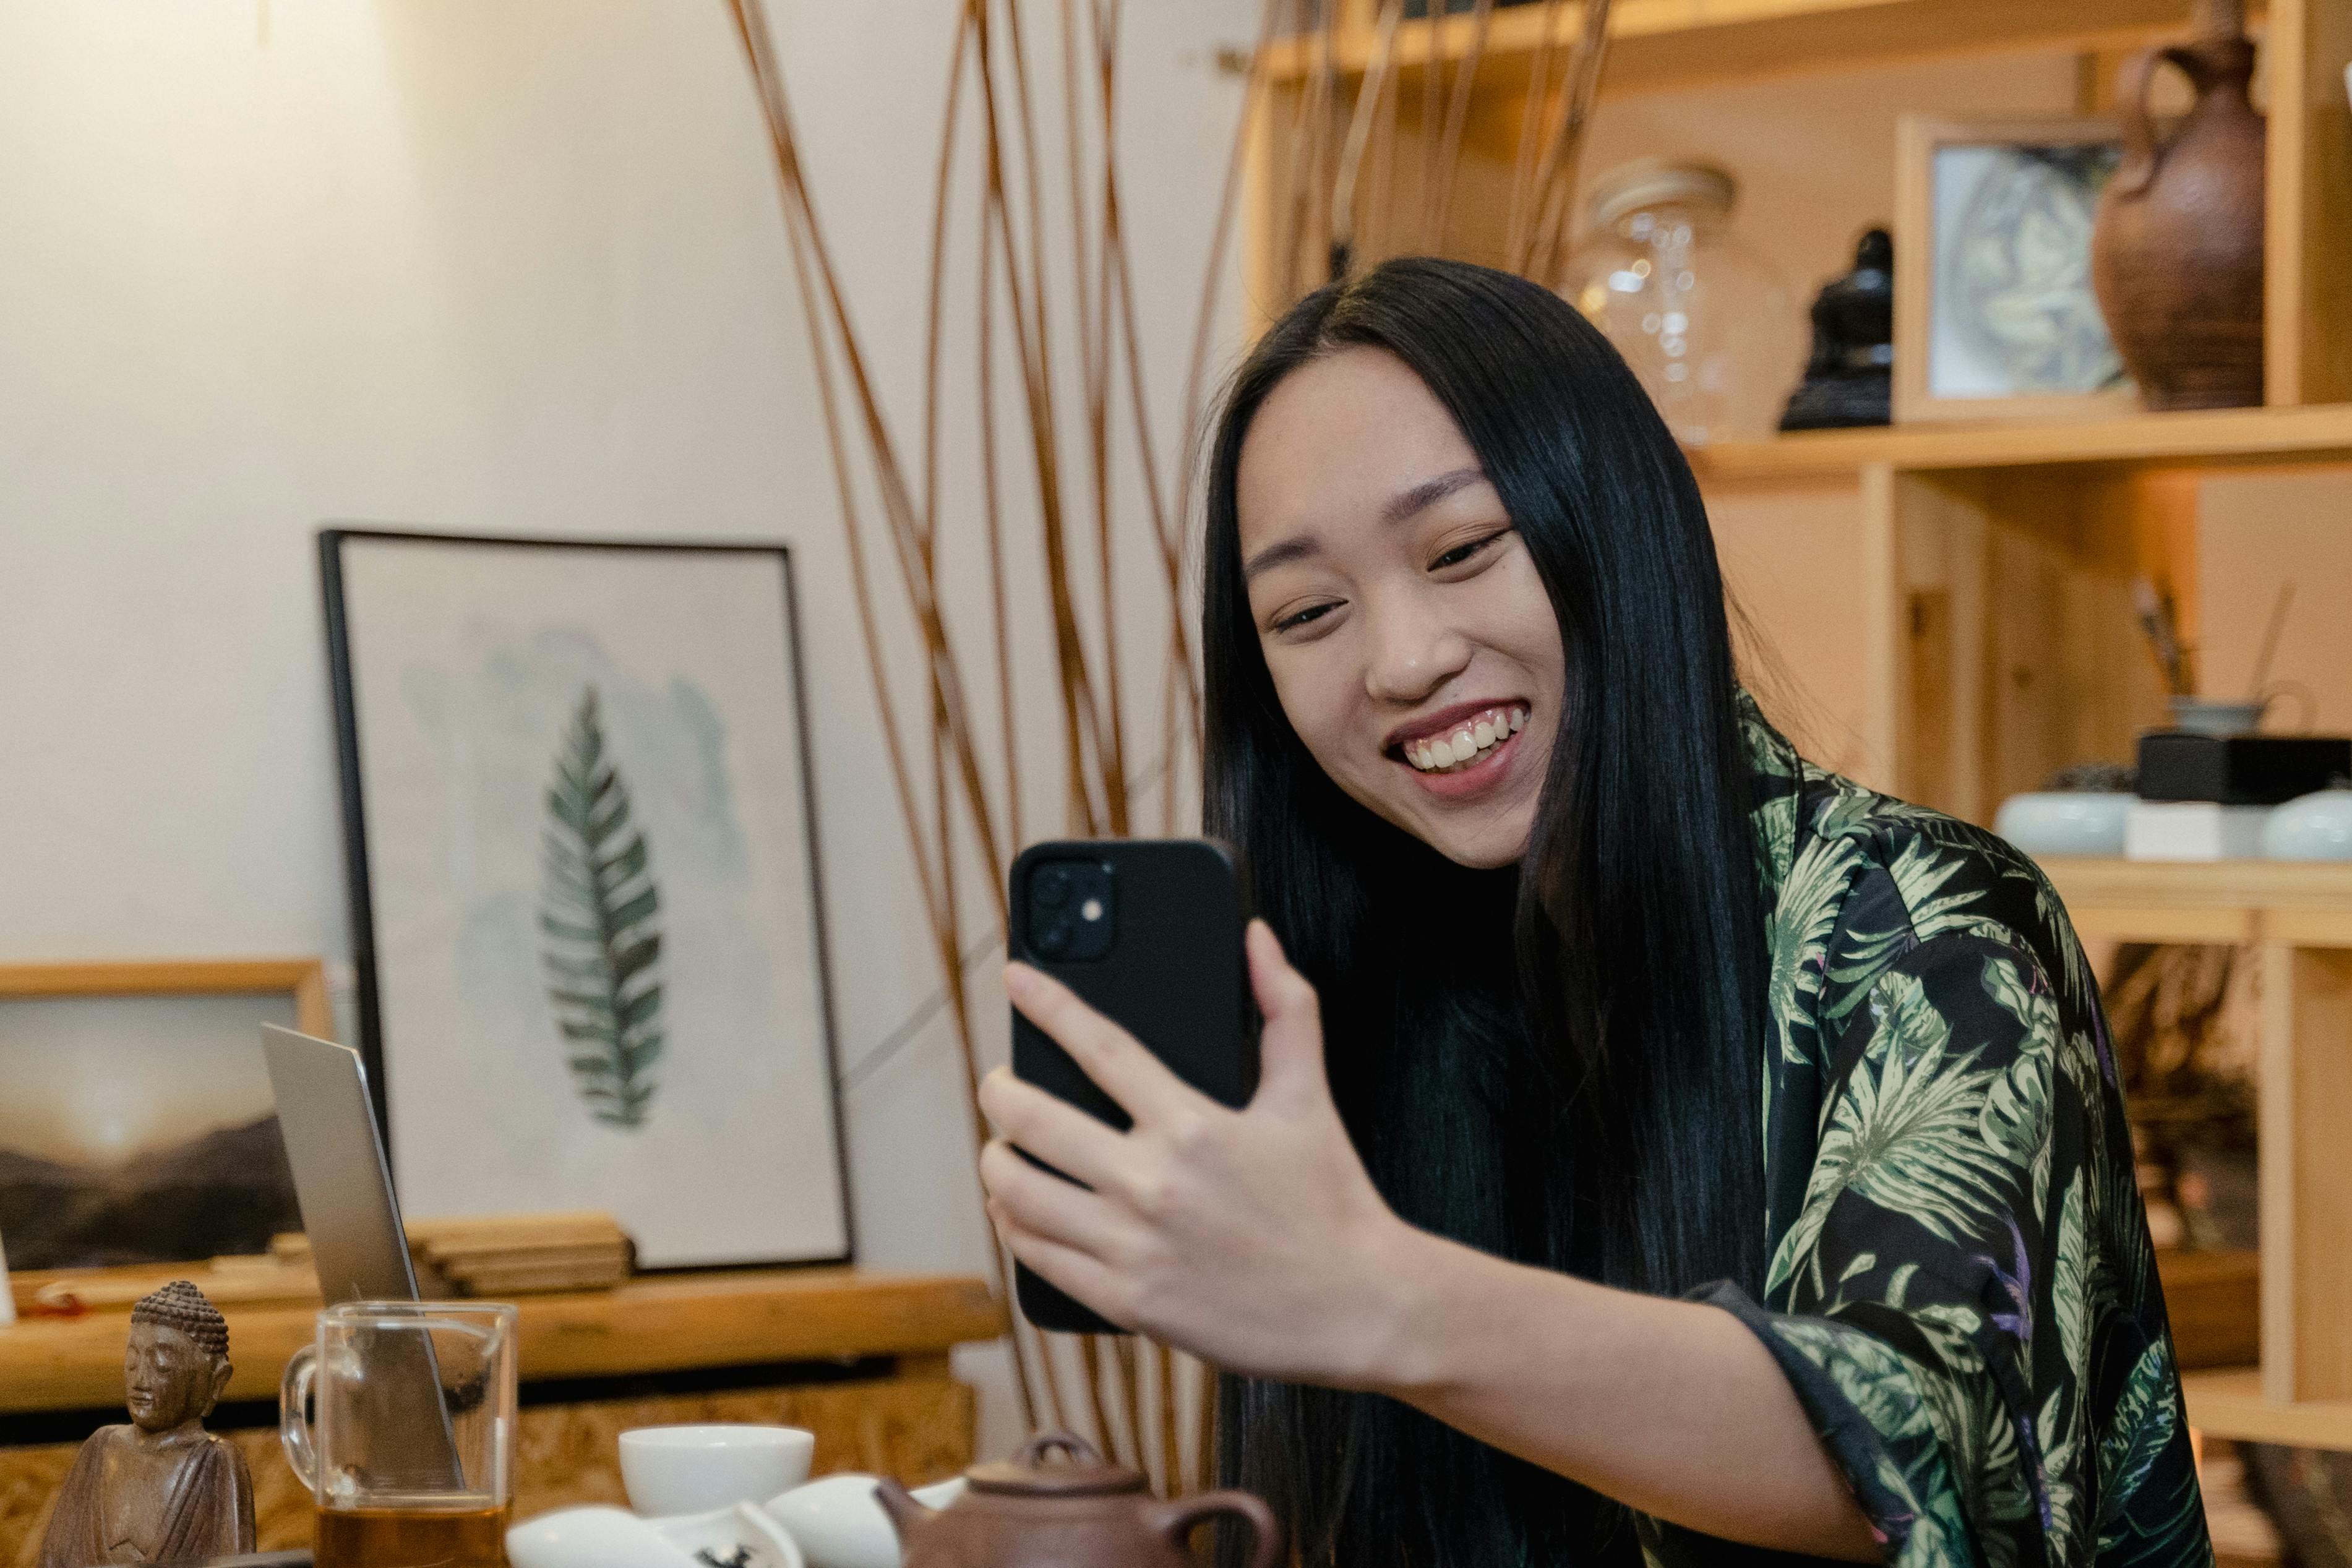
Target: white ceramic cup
x,y
695,1469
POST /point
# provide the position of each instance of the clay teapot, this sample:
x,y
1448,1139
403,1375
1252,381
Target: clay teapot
x,y
2176,257
1080,1513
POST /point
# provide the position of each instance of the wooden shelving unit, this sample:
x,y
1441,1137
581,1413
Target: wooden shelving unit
x,y
1991,590
2298,920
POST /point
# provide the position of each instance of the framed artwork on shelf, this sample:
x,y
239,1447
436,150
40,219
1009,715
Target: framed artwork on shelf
x,y
1995,317
585,907
138,1126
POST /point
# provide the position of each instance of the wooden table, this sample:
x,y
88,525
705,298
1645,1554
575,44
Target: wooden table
x,y
858,1356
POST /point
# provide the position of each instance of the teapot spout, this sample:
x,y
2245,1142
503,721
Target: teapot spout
x,y
904,1510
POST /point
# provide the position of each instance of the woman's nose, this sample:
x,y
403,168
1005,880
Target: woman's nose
x,y
1414,651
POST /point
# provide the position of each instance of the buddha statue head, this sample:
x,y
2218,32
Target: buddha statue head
x,y
176,1365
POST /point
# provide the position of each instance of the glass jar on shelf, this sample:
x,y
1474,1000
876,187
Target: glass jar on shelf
x,y
1713,331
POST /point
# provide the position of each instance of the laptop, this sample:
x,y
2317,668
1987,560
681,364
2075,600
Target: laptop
x,y
341,1179
344,1185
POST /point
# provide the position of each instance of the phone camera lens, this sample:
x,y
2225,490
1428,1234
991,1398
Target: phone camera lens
x,y
1051,886
1054,939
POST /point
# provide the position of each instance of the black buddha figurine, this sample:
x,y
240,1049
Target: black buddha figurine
x,y
161,1487
1849,379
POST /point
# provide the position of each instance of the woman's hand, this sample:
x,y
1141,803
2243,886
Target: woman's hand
x,y
1252,1238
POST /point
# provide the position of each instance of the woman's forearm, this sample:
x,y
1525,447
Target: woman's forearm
x,y
1671,1408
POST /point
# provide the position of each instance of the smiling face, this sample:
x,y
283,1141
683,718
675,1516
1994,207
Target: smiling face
x,y
1412,644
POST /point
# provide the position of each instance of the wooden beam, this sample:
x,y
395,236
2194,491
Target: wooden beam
x,y
1662,44
2304,1101
2204,438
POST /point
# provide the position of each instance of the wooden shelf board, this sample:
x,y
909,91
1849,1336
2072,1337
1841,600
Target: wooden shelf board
x,y
2229,1403
656,1323
1658,44
2235,903
2218,438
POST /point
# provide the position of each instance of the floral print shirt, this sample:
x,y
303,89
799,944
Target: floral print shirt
x,y
1960,1287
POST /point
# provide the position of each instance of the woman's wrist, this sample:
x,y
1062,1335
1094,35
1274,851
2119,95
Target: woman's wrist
x,y
1402,1344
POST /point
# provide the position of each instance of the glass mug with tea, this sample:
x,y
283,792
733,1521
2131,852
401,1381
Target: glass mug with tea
x,y
400,1417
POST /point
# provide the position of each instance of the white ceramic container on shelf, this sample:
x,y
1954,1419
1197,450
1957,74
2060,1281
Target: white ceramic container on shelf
x,y
838,1524
2311,827
2061,822
674,1471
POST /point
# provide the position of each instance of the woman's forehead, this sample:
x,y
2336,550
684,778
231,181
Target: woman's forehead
x,y
1339,440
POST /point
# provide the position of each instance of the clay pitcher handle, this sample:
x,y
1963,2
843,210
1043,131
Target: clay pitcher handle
x,y
1174,1521
2143,154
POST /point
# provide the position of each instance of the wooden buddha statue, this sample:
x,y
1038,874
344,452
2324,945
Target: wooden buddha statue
x,y
162,1487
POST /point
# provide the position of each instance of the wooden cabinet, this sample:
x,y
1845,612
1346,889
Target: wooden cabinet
x,y
860,1358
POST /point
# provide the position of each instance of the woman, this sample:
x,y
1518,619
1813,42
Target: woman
x,y
1662,1143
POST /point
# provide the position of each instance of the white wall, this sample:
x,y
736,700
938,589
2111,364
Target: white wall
x,y
512,267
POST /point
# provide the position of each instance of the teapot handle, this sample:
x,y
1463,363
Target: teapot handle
x,y
2143,154
1174,1521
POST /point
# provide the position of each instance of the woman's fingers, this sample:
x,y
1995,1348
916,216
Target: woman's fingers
x,y
1107,1054
1069,1271
1291,1046
1053,1129
1044,1204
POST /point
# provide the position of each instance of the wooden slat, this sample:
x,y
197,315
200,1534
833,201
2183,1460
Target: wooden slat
x,y
2230,1403
2224,927
2120,885
2218,438
1657,44
655,1324
164,976
2305,1100
2307,315
2210,1299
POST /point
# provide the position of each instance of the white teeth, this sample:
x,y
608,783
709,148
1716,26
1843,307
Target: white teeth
x,y
1446,752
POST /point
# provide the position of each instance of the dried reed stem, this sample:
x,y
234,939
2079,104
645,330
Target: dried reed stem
x,y
1533,118
1556,178
1457,115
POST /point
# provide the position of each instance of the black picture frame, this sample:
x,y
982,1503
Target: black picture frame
x,y
333,539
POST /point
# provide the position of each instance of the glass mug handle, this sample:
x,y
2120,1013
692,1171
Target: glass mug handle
x,y
293,1418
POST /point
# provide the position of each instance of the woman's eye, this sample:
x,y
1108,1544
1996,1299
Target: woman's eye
x,y
1311,614
1463,552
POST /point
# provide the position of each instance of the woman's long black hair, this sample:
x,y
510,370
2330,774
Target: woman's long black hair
x,y
1560,1062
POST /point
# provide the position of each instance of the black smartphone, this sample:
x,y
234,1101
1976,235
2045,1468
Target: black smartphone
x,y
1149,932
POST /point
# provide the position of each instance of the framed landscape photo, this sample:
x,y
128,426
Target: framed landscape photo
x,y
138,1127
1995,317
585,905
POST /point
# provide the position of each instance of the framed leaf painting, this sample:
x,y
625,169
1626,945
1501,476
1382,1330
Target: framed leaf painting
x,y
585,906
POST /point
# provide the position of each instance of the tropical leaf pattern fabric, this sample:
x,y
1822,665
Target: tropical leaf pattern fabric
x,y
1960,1287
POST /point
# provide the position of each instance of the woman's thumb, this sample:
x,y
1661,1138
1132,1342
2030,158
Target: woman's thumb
x,y
1290,1049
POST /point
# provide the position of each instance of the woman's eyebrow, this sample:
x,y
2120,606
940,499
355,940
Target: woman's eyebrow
x,y
1403,505
1428,492
1297,547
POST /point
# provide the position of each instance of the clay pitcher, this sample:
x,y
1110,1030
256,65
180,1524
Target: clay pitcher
x,y
2176,257
1080,1513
